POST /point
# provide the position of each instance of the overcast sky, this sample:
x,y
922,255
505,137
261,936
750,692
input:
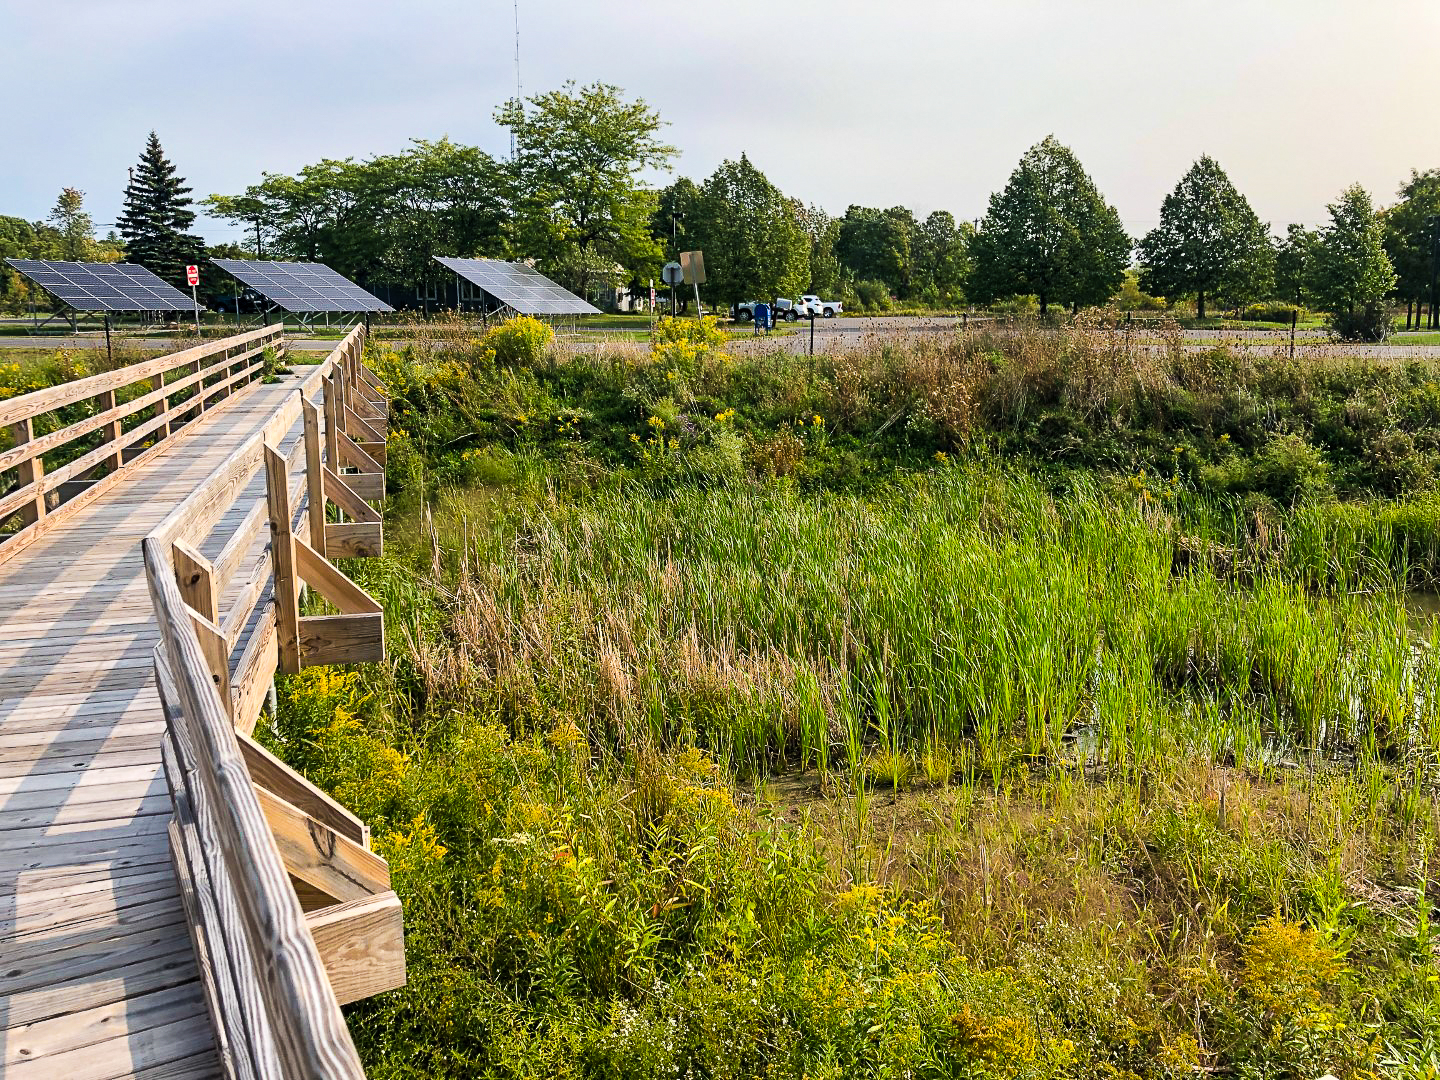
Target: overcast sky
x,y
925,103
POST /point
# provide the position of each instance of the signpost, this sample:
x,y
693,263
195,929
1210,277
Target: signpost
x,y
192,275
672,275
692,264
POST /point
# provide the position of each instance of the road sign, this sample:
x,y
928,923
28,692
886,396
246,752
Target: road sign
x,y
693,265
672,274
192,275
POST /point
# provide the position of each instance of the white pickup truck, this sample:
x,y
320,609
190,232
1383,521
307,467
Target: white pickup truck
x,y
790,310
810,303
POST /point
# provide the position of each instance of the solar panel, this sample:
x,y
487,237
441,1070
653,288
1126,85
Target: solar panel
x,y
302,287
103,286
519,286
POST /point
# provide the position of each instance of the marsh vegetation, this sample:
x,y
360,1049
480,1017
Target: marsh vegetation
x,y
1003,704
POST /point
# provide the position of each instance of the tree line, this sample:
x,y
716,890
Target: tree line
x,y
577,197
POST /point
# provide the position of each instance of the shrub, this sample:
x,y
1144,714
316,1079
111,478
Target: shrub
x,y
1289,468
1371,322
519,342
873,295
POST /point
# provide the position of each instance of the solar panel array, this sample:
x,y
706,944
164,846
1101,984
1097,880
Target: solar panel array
x,y
103,286
302,287
519,286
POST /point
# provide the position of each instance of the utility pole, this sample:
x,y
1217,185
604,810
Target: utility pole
x,y
518,89
1434,267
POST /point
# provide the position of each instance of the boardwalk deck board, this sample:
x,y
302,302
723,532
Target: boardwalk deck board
x,y
99,978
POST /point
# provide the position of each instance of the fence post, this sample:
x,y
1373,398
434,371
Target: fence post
x,y
113,431
314,475
162,407
31,471
333,413
282,555
196,577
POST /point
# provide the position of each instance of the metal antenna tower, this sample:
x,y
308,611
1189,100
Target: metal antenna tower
x,y
518,88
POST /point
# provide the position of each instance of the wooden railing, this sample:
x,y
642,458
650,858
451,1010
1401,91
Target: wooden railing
x,y
173,390
290,912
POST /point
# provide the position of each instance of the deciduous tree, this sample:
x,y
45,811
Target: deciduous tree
x,y
755,247
1049,233
1209,243
580,157
1350,274
1410,236
1293,254
74,226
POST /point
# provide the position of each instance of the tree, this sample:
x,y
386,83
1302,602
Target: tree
x,y
879,245
943,254
581,207
755,247
76,230
157,217
823,231
674,217
1350,274
1209,243
1049,234
1293,255
1410,236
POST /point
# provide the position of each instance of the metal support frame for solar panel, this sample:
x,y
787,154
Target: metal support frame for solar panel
x,y
516,286
303,289
107,288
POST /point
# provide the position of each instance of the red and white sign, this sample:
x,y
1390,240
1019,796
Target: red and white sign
x,y
192,275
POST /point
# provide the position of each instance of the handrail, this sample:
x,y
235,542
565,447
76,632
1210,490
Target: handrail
x,y
310,1038
247,827
216,371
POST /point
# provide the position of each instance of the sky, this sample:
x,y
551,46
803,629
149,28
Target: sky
x,y
921,103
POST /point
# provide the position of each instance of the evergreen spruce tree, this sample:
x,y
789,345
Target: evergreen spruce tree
x,y
157,218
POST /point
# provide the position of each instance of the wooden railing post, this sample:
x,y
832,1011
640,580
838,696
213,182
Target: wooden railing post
x,y
334,410
196,577
113,431
282,552
162,407
31,471
314,475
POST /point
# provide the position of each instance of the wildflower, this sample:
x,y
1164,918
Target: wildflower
x,y
674,443
941,456
816,420
521,418
656,423
634,438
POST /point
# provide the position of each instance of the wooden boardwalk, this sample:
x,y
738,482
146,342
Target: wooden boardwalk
x,y
98,976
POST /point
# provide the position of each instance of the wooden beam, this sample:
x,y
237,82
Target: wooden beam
x,y
355,540
369,486
376,450
362,945
314,476
310,1035
280,779
31,470
339,491
282,550
330,583
341,639
217,654
318,856
254,675
351,454
114,430
196,578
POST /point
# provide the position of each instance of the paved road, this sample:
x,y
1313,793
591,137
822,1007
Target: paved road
x,y
848,332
